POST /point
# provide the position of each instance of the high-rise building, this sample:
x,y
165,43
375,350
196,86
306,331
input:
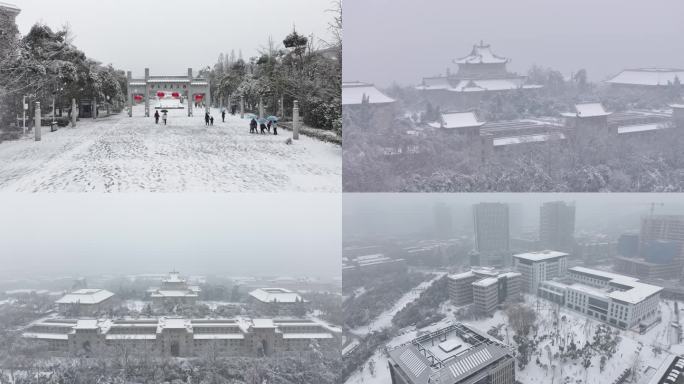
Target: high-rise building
x,y
492,234
484,287
557,225
661,249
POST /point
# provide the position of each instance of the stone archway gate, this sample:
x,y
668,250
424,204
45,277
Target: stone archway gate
x,y
187,86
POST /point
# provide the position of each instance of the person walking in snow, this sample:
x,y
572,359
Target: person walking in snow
x,y
211,120
206,118
268,126
253,126
275,128
164,117
223,115
263,128
156,117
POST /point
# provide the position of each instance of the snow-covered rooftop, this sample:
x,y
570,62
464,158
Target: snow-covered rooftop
x,y
9,7
486,282
648,76
541,255
354,93
523,139
85,296
632,290
278,295
481,54
456,120
587,110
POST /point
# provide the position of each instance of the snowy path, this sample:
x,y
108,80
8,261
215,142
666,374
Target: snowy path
x,y
384,319
122,154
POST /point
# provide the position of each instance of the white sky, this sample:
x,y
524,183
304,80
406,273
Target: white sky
x,y
405,40
284,234
172,35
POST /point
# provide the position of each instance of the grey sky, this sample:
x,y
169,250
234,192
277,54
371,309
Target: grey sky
x,y
170,36
405,213
404,40
284,234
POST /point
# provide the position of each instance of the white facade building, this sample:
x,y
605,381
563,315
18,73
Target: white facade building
x,y
536,267
619,300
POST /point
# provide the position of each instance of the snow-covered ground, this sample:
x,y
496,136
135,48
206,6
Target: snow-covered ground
x,y
634,350
122,154
384,320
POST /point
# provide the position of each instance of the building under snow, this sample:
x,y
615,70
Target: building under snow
x,y
85,302
173,336
277,301
479,74
457,354
371,264
366,106
646,78
619,300
174,290
537,267
485,288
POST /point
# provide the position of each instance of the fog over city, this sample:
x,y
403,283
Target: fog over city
x,y
401,214
170,36
236,235
403,41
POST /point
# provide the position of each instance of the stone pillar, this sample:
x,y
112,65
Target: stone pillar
x,y
93,107
242,107
37,122
129,75
261,107
74,112
147,93
295,121
207,99
190,100
281,108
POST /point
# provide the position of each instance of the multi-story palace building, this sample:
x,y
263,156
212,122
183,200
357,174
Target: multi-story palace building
x,y
278,301
173,336
85,302
174,290
480,73
457,354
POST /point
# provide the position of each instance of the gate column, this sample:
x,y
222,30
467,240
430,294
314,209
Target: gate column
x,y
147,92
190,100
129,75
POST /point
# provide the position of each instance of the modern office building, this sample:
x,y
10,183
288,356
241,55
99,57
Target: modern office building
x,y
457,354
619,300
536,267
85,302
182,337
485,288
557,225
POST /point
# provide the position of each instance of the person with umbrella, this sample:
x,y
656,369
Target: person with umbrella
x,y
156,117
165,115
262,125
273,122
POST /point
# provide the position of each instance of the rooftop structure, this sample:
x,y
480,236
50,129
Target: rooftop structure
x,y
460,122
540,255
276,295
455,354
647,77
355,93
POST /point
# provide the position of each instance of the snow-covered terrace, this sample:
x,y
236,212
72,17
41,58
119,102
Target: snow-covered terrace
x,y
541,255
353,93
86,296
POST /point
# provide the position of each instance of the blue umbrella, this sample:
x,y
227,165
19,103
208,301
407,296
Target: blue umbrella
x,y
262,121
273,118
250,116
